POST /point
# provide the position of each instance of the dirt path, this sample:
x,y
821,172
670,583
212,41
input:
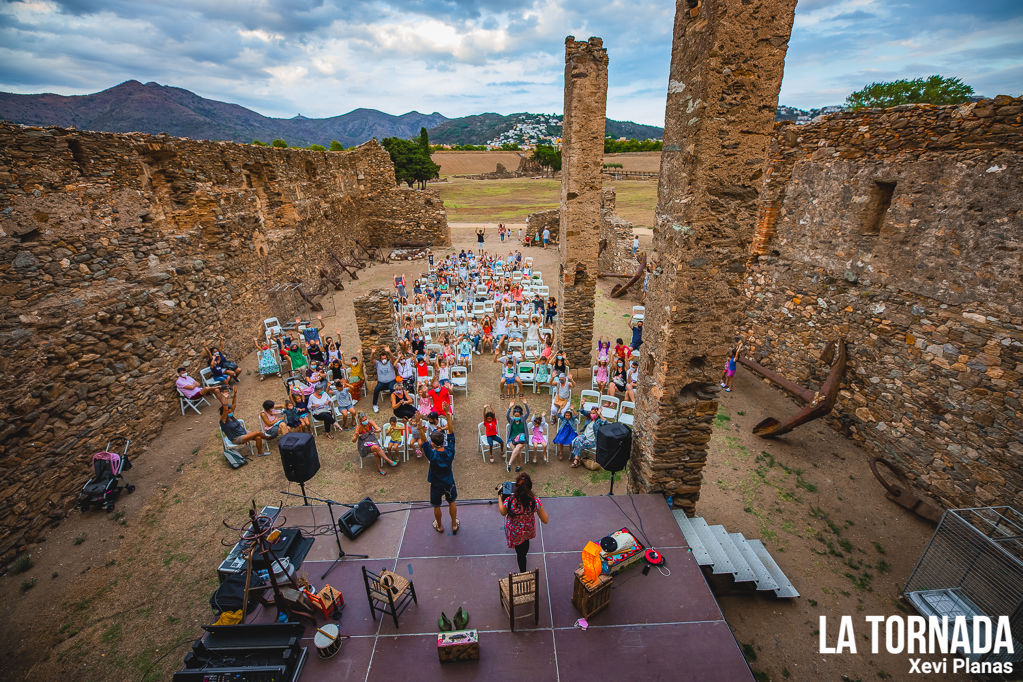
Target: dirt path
x,y
119,596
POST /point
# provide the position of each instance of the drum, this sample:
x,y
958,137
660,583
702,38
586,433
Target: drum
x,y
327,640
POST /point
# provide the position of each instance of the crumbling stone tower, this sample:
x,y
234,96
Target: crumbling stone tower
x,y
726,67
582,159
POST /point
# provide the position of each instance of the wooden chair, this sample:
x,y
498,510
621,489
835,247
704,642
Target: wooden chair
x,y
521,589
388,593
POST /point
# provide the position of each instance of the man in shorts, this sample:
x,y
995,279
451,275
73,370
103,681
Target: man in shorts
x,y
441,477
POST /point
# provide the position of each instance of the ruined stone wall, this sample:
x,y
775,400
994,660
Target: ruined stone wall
x,y
374,318
582,161
615,240
900,230
726,68
537,221
120,255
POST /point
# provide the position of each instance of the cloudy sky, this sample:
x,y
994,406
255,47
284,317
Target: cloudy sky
x,y
459,57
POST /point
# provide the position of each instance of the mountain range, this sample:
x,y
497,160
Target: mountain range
x,y
153,108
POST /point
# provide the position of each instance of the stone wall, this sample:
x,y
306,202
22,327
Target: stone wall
x,y
538,221
582,160
123,254
899,230
615,240
726,68
374,318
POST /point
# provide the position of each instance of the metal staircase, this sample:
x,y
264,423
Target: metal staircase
x,y
731,553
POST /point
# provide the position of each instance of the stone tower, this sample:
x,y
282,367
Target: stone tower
x,y
727,59
582,160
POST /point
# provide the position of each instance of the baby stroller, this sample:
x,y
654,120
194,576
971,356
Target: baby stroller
x,y
107,482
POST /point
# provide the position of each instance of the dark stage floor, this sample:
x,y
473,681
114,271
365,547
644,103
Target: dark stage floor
x,y
656,627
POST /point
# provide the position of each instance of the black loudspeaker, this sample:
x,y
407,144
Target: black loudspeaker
x,y
614,444
359,518
299,456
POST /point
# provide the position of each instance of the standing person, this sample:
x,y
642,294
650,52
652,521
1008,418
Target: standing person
x,y
519,527
479,238
356,377
730,364
441,453
546,236
501,231
566,433
635,244
387,373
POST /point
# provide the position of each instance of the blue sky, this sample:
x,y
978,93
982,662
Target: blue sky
x,y
459,57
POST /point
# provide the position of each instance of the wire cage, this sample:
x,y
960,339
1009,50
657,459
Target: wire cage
x,y
973,566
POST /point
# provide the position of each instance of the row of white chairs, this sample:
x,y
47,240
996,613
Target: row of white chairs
x,y
611,408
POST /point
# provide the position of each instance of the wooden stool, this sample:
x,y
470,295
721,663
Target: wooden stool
x,y
590,599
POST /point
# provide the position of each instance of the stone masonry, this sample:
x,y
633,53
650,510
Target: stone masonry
x,y
899,230
120,255
374,318
615,242
726,69
582,162
536,222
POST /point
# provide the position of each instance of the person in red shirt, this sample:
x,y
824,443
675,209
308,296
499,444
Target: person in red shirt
x,y
441,397
490,428
621,350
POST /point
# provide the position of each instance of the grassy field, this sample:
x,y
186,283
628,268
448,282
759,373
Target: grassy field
x,y
512,200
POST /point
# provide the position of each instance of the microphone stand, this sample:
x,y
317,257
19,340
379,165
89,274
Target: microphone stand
x,y
341,554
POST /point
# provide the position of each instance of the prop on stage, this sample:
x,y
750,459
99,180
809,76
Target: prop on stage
x,y
460,645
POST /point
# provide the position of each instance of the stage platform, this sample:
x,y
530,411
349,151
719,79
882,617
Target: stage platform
x,y
657,627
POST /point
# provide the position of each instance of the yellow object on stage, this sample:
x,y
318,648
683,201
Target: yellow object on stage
x,y
591,562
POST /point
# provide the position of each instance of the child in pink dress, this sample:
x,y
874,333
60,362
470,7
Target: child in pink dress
x,y
538,441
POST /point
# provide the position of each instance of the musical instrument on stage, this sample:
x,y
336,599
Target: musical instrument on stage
x,y
327,640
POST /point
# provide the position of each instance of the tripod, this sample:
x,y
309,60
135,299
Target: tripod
x,y
341,553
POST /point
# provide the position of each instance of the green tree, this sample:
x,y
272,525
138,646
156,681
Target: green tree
x,y
424,140
336,146
548,157
412,163
930,90
279,143
510,147
316,148
259,143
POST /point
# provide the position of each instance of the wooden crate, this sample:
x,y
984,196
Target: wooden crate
x,y
591,599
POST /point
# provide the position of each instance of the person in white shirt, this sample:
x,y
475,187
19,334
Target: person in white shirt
x,y
635,245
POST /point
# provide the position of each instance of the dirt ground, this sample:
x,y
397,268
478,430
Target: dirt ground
x,y
474,163
119,596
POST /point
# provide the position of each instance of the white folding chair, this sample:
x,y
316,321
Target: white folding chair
x,y
627,413
272,325
460,379
189,402
527,374
484,446
479,308
587,400
541,386
609,407
429,322
488,307
544,331
434,348
593,377
529,261
531,350
443,323
543,290
638,312
206,374
481,290
514,348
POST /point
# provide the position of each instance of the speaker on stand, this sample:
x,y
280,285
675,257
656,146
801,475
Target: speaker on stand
x,y
299,458
614,446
